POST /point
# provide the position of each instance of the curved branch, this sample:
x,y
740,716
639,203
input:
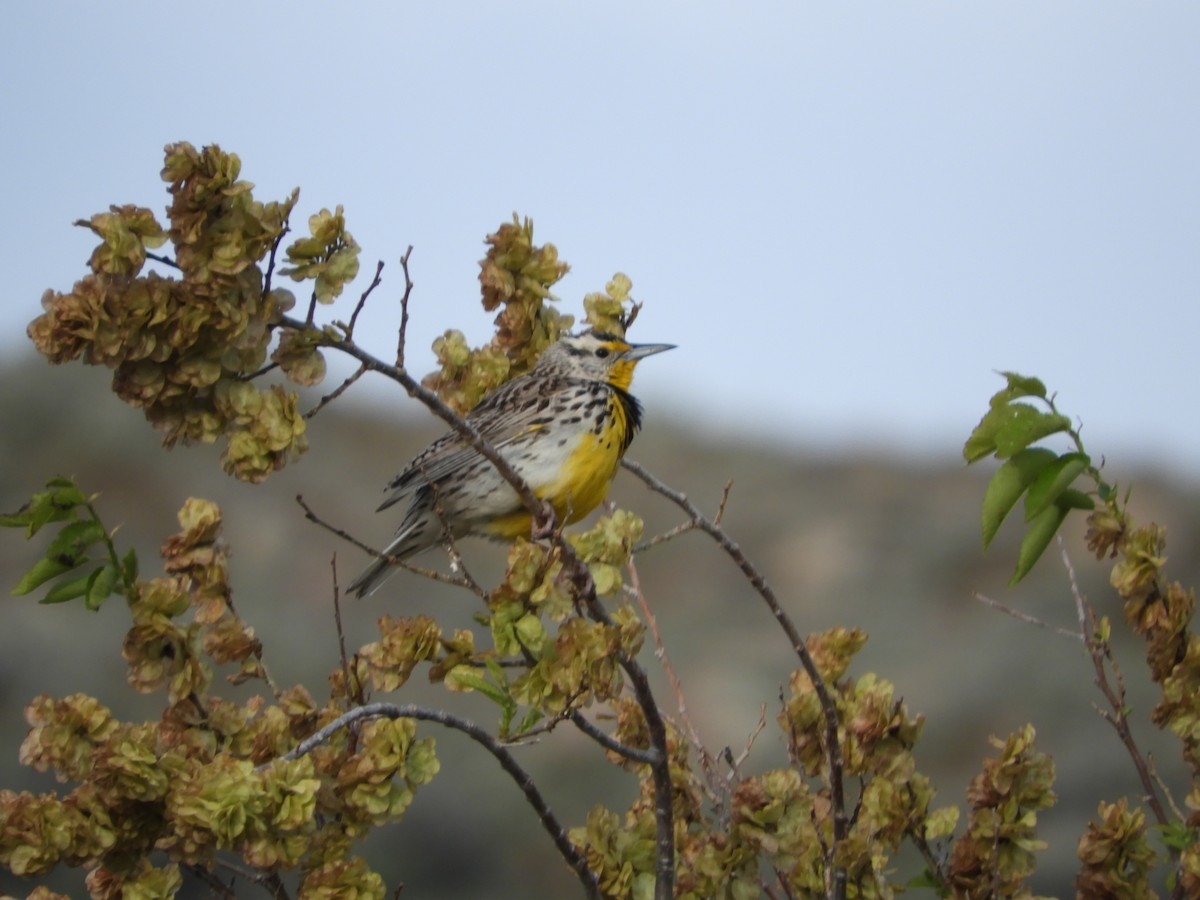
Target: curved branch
x,y
605,740
524,780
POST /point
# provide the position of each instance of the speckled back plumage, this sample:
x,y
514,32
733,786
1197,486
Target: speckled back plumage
x,y
563,426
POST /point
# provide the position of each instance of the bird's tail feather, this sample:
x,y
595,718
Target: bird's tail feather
x,y
408,541
371,578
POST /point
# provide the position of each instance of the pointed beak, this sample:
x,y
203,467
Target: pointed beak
x,y
641,351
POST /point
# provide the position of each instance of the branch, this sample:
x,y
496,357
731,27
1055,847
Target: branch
x,y
431,574
1030,620
829,710
408,286
608,742
1100,653
165,260
268,881
362,300
718,791
271,260
353,690
215,884
524,781
334,394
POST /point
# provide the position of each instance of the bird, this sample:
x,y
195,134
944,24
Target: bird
x,y
563,426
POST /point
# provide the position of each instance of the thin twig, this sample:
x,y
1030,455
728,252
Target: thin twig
x,y
833,750
271,259
259,372
312,310
215,884
1162,786
682,528
1030,620
431,574
931,861
362,300
165,260
402,337
627,319
333,395
736,763
524,781
724,499
1101,655
457,566
351,690
268,881
717,789
608,742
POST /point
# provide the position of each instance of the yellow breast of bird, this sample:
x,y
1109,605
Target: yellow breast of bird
x,y
580,479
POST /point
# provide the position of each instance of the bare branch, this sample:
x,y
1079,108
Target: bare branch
x,y
675,532
270,273
268,881
362,300
431,574
507,761
1175,810
717,789
1100,652
608,742
1030,620
258,373
312,310
724,499
333,395
408,286
165,260
341,634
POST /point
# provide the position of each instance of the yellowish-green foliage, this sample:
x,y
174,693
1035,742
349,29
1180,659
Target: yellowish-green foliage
x,y
184,347
282,782
210,775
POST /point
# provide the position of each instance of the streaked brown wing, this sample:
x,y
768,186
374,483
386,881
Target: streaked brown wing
x,y
503,416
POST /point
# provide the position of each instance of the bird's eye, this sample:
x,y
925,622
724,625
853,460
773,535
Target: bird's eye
x,y
602,352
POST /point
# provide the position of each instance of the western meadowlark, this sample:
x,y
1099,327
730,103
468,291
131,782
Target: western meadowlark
x,y
563,426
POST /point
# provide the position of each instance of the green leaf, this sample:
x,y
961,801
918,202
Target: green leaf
x,y
42,571
982,441
1177,836
1018,386
1073,499
1042,529
74,539
1052,480
471,678
68,589
100,586
1022,425
1009,429
1007,485
56,503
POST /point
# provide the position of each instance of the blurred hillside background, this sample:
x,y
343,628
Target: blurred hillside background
x,y
846,215
890,546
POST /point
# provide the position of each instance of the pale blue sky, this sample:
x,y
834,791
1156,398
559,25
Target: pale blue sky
x,y
846,214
